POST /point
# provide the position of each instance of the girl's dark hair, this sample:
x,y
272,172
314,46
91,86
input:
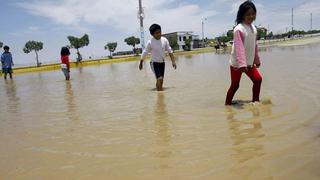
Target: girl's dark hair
x,y
244,7
65,51
153,28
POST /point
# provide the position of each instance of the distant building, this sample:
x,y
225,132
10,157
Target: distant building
x,y
123,53
180,37
262,32
262,29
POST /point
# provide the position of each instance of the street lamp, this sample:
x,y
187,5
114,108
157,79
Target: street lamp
x,y
202,20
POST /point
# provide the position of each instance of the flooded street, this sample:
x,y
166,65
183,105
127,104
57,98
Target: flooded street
x,y
109,123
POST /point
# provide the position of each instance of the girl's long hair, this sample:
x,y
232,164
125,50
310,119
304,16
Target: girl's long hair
x,y
244,7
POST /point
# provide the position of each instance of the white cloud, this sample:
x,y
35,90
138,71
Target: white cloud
x,y
310,7
235,6
174,15
99,18
277,14
119,14
186,17
33,28
279,19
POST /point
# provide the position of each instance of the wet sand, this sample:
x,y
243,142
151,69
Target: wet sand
x,y
109,123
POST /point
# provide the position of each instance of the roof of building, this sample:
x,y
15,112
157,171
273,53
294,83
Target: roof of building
x,y
177,32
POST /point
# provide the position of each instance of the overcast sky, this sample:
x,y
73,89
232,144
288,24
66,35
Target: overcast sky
x,y
51,21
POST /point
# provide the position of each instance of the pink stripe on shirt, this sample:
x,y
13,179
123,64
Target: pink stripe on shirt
x,y
239,49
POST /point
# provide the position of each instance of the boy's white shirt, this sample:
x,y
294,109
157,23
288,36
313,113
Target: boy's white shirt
x,y
158,49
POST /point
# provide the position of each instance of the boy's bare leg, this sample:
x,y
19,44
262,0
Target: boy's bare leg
x,y
159,84
10,74
5,76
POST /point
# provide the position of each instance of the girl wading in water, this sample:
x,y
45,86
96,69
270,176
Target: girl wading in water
x,y
244,55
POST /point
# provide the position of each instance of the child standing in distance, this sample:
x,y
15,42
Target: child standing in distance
x,y
65,65
244,55
7,62
79,58
158,46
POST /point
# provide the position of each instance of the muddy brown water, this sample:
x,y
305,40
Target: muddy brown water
x,y
109,123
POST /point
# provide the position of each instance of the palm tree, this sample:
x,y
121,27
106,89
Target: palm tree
x,y
133,41
111,47
33,46
78,43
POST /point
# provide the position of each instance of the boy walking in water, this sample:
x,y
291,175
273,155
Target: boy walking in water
x,y
7,62
158,46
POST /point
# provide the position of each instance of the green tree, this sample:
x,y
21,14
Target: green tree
x,y
261,33
313,31
1,44
77,43
224,39
230,34
133,41
112,46
173,43
187,44
270,35
33,46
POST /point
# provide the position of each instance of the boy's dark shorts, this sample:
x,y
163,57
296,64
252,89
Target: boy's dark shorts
x,y
158,69
7,70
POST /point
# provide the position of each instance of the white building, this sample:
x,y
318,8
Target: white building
x,y
181,37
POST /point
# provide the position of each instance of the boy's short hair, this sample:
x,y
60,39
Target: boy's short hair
x,y
153,28
65,51
6,48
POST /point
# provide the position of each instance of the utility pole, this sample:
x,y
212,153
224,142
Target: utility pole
x,y
311,22
286,33
203,31
141,17
292,23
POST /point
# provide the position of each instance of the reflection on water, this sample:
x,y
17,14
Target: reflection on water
x,y
163,134
71,105
247,135
162,120
189,56
80,68
244,131
12,99
106,122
